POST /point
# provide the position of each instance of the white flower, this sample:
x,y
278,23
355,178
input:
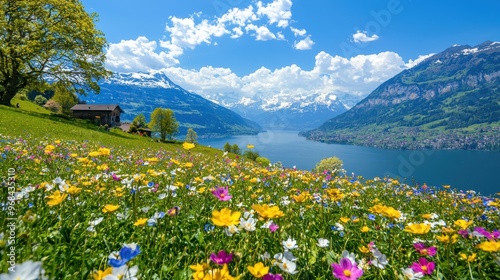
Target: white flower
x,y
380,259
412,275
162,196
248,224
230,230
94,223
28,270
339,226
290,244
123,273
350,256
322,243
288,266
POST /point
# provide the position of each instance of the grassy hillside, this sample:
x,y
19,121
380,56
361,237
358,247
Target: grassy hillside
x,y
35,122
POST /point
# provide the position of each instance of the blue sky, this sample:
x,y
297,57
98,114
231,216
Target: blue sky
x,y
212,46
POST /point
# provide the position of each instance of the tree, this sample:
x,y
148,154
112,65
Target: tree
x,y
55,40
164,122
235,149
191,136
139,121
227,147
332,164
65,98
53,106
40,100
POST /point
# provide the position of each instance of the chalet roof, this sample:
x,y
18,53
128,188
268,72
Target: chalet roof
x,y
96,107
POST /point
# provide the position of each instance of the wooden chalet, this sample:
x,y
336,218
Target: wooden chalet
x,y
102,114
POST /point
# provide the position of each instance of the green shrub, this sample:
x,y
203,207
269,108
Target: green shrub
x,y
331,164
253,155
263,161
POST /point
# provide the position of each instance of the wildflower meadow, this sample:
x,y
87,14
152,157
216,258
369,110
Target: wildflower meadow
x,y
81,210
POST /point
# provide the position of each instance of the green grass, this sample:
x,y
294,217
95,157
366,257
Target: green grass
x,y
35,122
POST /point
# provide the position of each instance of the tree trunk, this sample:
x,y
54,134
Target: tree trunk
x,y
6,97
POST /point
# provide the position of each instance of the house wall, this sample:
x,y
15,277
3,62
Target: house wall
x,y
111,118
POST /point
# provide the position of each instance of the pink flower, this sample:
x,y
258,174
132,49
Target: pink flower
x,y
346,270
273,227
423,266
221,258
425,251
271,276
222,194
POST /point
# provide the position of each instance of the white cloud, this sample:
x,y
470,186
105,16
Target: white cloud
x,y
362,37
298,32
137,55
412,63
239,17
262,33
278,11
237,33
305,44
358,75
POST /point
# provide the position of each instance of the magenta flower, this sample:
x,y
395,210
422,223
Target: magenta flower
x,y
346,270
423,266
464,233
425,251
273,227
222,194
221,258
271,276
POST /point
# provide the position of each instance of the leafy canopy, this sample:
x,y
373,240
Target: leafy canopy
x,y
49,41
164,122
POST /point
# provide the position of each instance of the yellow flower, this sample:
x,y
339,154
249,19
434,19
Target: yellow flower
x,y
104,151
489,246
377,209
301,197
446,186
225,217
187,146
344,220
94,154
364,250
110,208
392,213
188,164
140,222
267,212
427,216
49,149
470,258
258,270
99,275
447,239
56,198
73,190
250,146
418,228
365,229
335,194
73,155
463,224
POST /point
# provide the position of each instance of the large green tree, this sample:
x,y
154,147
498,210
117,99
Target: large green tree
x,y
49,41
164,122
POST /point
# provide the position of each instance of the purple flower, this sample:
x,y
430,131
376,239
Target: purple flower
x,y
221,258
346,270
222,194
423,266
425,251
273,227
271,276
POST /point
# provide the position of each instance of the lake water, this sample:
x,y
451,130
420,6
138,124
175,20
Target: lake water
x,y
467,170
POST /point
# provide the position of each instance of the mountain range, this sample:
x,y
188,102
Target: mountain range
x,y
141,93
451,100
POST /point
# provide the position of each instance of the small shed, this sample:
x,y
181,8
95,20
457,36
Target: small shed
x,y
100,113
